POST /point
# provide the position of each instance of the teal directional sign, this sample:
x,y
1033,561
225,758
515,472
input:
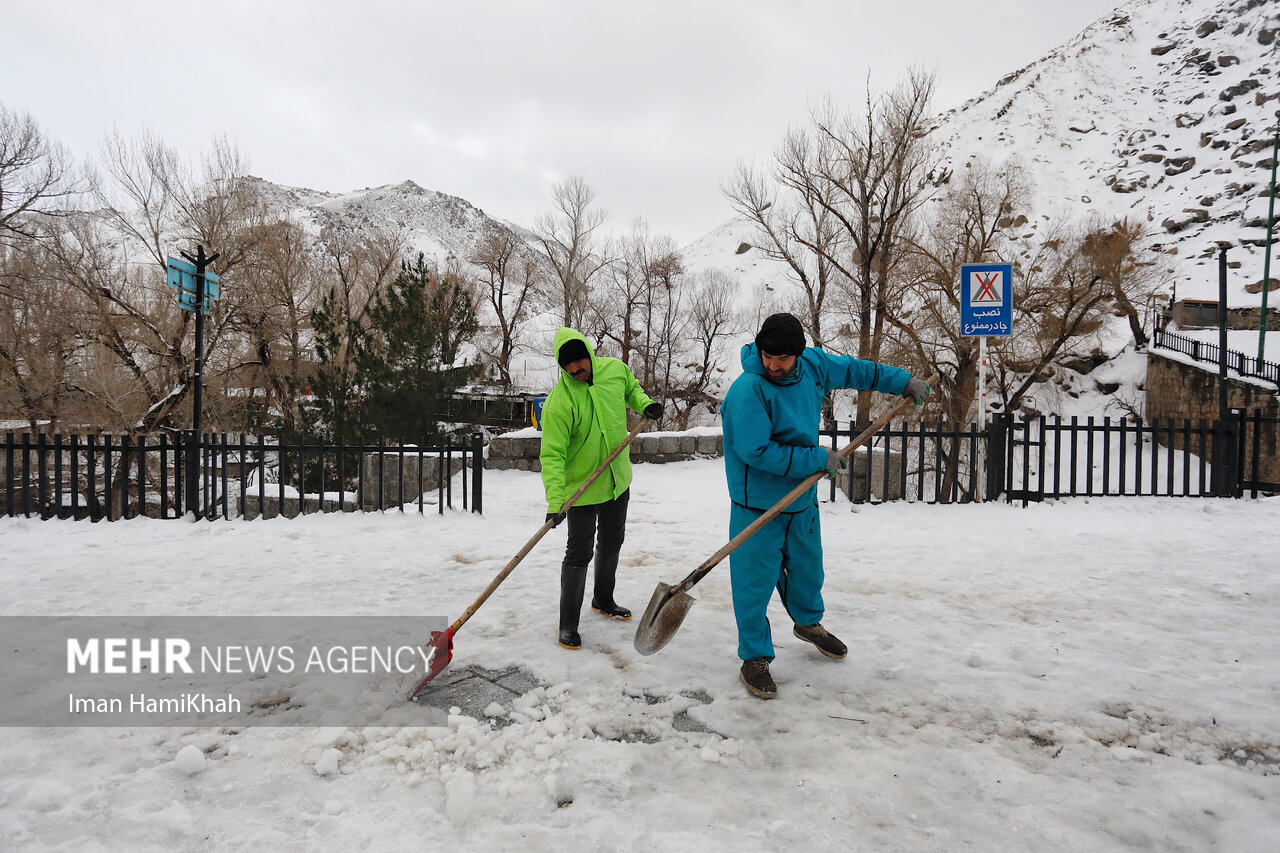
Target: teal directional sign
x,y
182,276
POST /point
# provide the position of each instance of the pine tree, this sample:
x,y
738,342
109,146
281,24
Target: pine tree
x,y
407,363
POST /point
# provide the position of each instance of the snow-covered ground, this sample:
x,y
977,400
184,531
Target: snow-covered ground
x,y
1088,675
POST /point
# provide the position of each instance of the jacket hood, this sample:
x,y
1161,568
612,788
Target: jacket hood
x,y
563,335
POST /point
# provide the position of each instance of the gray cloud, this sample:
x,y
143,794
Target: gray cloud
x,y
652,102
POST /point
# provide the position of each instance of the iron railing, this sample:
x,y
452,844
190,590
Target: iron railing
x,y
111,477
1205,351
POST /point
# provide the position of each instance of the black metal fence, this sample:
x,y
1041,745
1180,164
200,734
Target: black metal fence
x,y
1242,364
111,477
1031,459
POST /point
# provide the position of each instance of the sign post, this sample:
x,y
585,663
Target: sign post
x,y
196,288
986,310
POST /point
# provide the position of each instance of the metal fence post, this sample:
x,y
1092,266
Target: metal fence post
x,y
1222,470
997,447
191,488
477,472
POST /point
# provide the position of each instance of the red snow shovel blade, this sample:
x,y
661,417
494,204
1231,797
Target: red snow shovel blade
x,y
440,652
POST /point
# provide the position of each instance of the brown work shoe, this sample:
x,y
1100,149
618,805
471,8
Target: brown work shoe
x,y
755,674
826,642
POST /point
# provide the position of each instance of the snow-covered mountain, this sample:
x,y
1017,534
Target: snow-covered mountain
x,y
1162,111
438,225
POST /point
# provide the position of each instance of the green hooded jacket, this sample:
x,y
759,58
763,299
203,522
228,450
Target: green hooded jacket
x,y
582,423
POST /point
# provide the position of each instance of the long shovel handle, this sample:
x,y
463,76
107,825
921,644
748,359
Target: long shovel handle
x,y
542,531
769,514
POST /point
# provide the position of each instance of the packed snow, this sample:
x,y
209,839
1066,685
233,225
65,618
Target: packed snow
x,y
1081,675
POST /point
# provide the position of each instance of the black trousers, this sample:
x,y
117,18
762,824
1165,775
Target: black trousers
x,y
604,523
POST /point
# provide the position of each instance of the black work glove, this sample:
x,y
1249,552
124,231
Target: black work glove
x,y
917,390
653,411
556,517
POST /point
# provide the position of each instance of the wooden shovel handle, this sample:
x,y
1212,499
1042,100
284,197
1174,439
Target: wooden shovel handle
x,y
769,514
542,531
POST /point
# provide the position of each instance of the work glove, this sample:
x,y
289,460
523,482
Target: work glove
x,y
556,517
835,463
917,390
653,411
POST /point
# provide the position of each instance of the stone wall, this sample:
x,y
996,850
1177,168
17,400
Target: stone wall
x,y
1176,389
382,476
520,450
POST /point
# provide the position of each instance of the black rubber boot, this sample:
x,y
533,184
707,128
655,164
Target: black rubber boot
x,y
602,598
573,585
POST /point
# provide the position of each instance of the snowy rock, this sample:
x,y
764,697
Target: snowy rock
x,y
334,807
189,760
328,763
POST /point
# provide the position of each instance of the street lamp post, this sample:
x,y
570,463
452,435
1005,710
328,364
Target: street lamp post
x,y
1266,264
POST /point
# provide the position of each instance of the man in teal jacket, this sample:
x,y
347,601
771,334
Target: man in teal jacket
x,y
770,418
584,419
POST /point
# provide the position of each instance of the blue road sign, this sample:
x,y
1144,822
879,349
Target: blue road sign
x,y
182,276
986,300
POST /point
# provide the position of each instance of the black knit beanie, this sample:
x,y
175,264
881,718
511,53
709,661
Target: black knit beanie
x,y
570,351
781,334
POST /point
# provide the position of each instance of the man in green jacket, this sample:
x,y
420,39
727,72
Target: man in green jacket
x,y
584,419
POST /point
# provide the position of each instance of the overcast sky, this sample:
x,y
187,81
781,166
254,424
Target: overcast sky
x,y
652,102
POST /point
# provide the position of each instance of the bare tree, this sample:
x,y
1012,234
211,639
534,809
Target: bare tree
x,y
150,202
568,237
284,275
850,184
711,320
511,279
1115,252
38,342
1059,296
362,268
36,175
794,230
975,220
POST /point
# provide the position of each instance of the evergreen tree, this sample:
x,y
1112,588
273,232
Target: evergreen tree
x,y
394,376
407,363
334,408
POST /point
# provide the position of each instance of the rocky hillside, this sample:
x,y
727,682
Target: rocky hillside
x,y
1163,111
434,223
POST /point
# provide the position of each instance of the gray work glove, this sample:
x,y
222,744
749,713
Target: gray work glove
x,y
917,390
835,463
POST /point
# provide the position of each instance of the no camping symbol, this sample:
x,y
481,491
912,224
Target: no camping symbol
x,y
986,288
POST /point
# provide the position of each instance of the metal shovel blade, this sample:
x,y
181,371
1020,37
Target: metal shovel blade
x,y
661,618
438,652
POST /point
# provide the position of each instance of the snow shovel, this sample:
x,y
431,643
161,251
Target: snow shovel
x,y
670,604
441,645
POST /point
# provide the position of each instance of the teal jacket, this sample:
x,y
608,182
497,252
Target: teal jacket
x,y
583,423
771,430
